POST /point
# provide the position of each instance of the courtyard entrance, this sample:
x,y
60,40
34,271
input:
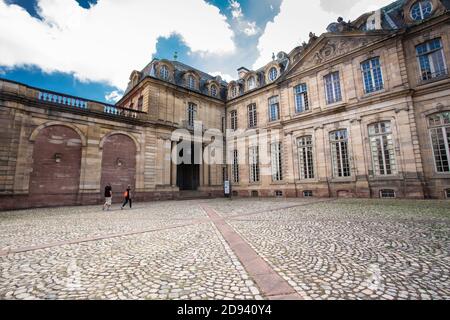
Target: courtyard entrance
x,y
188,174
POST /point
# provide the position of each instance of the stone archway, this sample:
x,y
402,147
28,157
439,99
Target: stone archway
x,y
56,164
118,163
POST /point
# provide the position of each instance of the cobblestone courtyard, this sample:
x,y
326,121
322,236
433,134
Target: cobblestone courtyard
x,y
221,249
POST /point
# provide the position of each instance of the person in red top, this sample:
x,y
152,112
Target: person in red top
x,y
128,198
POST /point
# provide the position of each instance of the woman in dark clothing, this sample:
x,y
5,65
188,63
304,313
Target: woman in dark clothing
x,y
108,197
128,198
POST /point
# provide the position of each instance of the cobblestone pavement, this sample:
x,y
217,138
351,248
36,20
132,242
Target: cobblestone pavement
x,y
323,249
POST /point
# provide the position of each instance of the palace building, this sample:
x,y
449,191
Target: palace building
x,y
362,110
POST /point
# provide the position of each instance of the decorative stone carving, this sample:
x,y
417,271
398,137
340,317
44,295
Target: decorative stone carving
x,y
340,26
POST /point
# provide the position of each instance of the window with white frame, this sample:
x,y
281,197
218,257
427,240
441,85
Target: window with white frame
x,y
253,154
333,88
372,75
431,60
301,98
277,163
251,83
421,10
252,116
274,109
192,84
192,114
273,74
164,72
214,90
235,167
234,120
440,138
382,148
306,157
340,154
234,92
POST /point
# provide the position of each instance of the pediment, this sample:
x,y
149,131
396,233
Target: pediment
x,y
327,48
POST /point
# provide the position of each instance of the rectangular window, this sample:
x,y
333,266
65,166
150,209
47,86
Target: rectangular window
x,y
277,164
339,154
372,75
333,88
192,114
387,194
440,139
308,194
382,148
306,158
431,60
301,98
447,193
234,120
274,109
235,167
253,153
140,103
252,116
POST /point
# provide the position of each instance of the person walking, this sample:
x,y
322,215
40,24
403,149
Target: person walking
x,y
128,198
108,197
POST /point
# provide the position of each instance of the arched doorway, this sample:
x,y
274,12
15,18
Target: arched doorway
x,y
118,164
56,164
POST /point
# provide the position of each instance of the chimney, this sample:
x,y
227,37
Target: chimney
x,y
242,72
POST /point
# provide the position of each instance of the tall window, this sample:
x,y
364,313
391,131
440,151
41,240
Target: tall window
x,y
253,153
191,82
252,116
440,138
192,114
234,92
306,157
277,164
421,10
214,91
251,83
339,153
382,147
274,109
235,167
431,59
333,88
273,74
372,75
140,103
234,120
301,98
164,72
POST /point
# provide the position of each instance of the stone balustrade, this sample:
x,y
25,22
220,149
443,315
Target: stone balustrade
x,y
67,101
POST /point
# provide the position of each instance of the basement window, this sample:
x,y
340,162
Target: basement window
x,y
387,194
255,194
308,194
278,193
447,193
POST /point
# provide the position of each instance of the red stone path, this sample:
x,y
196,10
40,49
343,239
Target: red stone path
x,y
270,283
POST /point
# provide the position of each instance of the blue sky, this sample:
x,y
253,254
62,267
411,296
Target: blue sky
x,y
88,48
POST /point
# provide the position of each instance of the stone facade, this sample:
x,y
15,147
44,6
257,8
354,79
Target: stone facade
x,y
356,110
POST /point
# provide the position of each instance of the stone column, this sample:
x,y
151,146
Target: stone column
x,y
359,163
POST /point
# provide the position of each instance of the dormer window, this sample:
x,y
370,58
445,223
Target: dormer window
x,y
191,82
251,83
213,91
164,73
234,92
273,74
421,10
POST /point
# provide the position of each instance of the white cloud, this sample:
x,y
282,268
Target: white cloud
x,y
108,41
247,27
295,21
224,76
113,96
